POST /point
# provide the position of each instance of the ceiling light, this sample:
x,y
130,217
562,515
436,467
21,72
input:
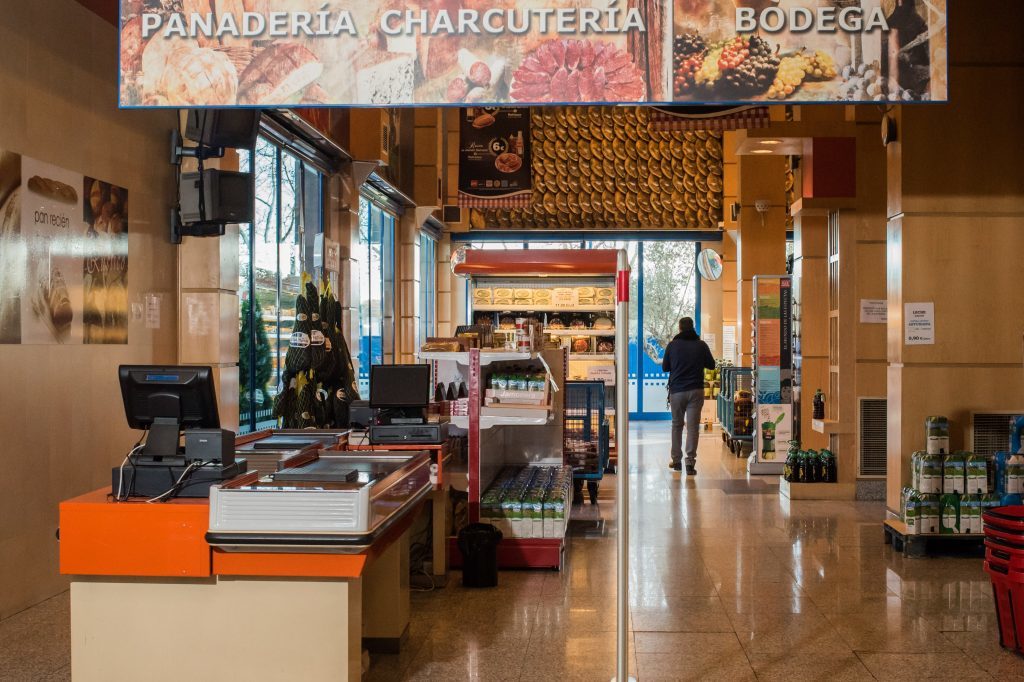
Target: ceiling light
x,y
771,142
762,151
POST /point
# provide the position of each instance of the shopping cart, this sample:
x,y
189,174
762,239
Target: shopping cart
x,y
735,416
586,436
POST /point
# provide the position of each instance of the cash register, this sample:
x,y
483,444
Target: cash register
x,y
399,395
167,402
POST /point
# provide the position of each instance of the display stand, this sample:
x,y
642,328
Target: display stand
x,y
573,299
492,443
773,373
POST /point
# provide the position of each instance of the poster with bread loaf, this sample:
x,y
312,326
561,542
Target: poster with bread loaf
x,y
12,248
63,255
177,53
53,230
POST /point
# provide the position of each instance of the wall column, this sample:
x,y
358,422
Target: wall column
x,y
208,306
955,235
761,243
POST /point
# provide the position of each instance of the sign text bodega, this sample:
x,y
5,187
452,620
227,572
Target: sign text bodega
x,y
803,20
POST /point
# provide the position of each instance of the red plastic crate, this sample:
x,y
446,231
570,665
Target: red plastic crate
x,y
1008,593
1010,518
996,555
1010,536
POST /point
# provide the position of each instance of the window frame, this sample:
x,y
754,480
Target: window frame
x,y
249,420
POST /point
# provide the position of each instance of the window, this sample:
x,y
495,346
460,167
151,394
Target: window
x,y
374,259
426,278
274,251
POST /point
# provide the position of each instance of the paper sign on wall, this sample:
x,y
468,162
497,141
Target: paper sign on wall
x,y
874,310
712,341
605,373
919,324
729,343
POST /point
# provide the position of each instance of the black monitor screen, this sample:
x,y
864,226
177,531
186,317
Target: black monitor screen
x,y
399,385
185,394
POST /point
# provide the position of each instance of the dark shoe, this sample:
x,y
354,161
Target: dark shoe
x,y
691,470
675,466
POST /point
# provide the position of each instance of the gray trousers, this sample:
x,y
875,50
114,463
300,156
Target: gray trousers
x,y
686,407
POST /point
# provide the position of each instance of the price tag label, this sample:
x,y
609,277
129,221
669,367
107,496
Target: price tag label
x,y
564,297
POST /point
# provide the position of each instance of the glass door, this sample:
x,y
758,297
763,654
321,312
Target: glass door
x,y
668,289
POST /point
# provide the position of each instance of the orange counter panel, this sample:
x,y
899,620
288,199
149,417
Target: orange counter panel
x,y
291,565
101,537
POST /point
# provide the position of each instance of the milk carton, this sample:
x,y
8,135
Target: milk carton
x,y
927,473
911,509
970,514
938,435
949,522
953,474
928,514
977,474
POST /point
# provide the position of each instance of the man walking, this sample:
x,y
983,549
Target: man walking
x,y
685,360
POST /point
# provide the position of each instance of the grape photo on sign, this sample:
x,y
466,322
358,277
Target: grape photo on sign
x,y
262,53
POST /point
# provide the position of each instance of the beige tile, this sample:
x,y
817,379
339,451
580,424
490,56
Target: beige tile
x,y
794,666
984,649
893,631
716,661
496,657
780,633
682,614
922,666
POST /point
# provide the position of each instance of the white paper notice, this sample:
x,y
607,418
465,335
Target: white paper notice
x,y
919,324
729,343
153,311
605,373
712,341
874,311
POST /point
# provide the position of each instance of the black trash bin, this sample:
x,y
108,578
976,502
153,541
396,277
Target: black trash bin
x,y
478,543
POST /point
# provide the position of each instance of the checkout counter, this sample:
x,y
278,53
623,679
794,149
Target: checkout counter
x,y
289,577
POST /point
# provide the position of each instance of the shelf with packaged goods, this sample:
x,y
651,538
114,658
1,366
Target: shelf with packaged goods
x,y
489,421
486,357
490,308
580,332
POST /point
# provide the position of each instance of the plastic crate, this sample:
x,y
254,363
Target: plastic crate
x,y
1008,594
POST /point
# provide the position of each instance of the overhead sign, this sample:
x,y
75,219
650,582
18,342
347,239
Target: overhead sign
x,y
531,52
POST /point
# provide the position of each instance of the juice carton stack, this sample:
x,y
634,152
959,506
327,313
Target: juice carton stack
x,y
949,490
528,502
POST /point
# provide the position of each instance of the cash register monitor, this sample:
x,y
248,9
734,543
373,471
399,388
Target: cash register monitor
x,y
166,400
400,392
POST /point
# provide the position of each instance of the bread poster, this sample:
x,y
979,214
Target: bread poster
x,y
63,255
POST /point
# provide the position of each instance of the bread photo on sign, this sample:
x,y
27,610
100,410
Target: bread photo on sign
x,y
53,189
52,304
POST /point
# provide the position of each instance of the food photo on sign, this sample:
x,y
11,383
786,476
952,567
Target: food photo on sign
x,y
471,52
494,157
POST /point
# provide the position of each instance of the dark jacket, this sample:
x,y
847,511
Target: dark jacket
x,y
685,360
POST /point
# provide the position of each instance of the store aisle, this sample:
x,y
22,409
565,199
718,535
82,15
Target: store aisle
x,y
726,583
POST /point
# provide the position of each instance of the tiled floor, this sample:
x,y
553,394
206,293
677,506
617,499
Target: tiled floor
x,y
727,583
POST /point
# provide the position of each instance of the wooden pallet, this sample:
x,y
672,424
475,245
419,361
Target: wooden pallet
x,y
918,546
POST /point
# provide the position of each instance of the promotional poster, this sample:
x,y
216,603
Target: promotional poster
x,y
63,255
531,52
494,157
